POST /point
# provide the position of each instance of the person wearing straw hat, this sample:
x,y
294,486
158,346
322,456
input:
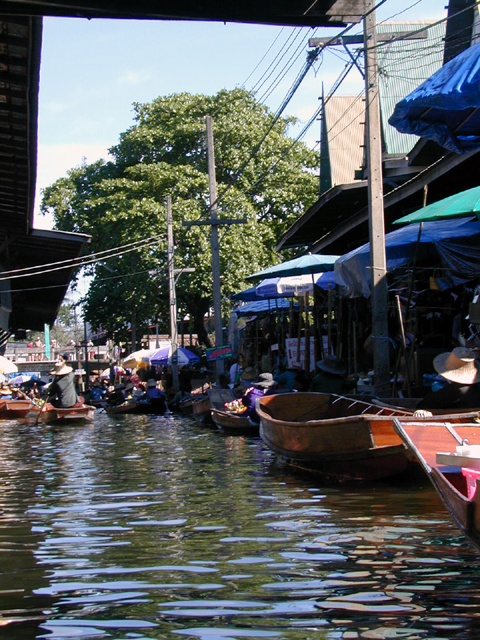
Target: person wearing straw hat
x,y
462,372
331,376
61,391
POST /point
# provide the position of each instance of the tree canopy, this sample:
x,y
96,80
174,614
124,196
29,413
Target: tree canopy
x,y
122,201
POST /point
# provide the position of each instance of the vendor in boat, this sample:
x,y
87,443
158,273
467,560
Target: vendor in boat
x,y
154,395
331,377
115,395
265,385
61,391
462,372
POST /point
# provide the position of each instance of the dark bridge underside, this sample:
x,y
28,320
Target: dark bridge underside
x,y
282,12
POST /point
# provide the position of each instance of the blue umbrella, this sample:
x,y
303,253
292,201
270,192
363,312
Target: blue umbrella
x,y
445,108
311,263
163,356
261,306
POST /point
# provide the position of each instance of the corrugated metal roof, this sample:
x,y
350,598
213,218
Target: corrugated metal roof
x,y
403,66
345,121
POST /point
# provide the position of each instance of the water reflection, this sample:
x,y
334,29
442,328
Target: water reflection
x,y
156,528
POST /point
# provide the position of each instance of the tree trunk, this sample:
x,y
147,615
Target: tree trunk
x,y
197,310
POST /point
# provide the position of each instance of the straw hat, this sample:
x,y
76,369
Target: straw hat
x,y
265,381
129,386
249,374
151,383
458,366
60,369
137,393
332,364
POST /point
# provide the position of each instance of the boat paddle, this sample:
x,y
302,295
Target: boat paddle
x,y
41,410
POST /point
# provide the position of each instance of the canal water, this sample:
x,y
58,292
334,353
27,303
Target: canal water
x,y
152,527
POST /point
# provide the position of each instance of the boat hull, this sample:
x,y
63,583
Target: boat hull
x,y
456,485
73,415
136,408
234,424
16,409
201,410
333,435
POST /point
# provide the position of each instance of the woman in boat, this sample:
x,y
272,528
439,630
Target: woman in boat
x,y
462,372
263,386
61,391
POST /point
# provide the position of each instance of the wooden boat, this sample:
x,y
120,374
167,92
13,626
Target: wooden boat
x,y
234,423
452,465
15,409
201,409
335,435
53,415
143,407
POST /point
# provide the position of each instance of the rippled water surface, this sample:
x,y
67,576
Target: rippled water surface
x,y
158,528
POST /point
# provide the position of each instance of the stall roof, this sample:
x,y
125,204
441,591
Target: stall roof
x,y
281,12
33,300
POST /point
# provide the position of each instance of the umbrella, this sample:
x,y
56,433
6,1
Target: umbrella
x,y
137,358
260,306
19,380
7,366
460,205
164,356
445,108
311,263
247,296
106,372
293,285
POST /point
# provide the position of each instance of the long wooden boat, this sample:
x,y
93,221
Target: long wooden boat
x,y
334,435
73,415
234,423
16,409
143,407
450,455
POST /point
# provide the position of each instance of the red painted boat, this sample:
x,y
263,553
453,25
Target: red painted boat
x,y
15,409
83,413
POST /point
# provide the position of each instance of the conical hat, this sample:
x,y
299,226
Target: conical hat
x,y
458,366
60,369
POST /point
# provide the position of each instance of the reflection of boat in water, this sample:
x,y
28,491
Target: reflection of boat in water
x,y
333,435
14,409
78,414
144,407
450,455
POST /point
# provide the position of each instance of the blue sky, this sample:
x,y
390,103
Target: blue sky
x,y
92,71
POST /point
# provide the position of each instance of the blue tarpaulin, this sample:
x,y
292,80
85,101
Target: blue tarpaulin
x,y
445,108
454,244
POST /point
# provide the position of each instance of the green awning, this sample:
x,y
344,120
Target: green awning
x,y
463,204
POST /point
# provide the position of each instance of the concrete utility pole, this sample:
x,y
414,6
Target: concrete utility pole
x,y
378,261
217,296
172,294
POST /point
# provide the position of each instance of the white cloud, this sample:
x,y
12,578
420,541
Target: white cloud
x,y
134,78
53,162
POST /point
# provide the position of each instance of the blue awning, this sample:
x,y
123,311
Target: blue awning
x,y
262,306
446,107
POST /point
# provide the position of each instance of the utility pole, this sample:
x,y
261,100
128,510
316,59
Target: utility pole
x,y
172,295
217,296
214,222
378,260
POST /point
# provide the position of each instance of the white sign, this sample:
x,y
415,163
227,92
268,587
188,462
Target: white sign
x,y
291,348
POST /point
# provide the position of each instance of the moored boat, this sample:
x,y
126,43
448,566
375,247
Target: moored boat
x,y
73,415
234,423
449,453
334,435
201,409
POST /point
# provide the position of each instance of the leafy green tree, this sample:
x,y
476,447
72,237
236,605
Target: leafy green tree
x,y
164,153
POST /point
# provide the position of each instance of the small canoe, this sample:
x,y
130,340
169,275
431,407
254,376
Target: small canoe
x,y
234,423
73,415
16,409
449,453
